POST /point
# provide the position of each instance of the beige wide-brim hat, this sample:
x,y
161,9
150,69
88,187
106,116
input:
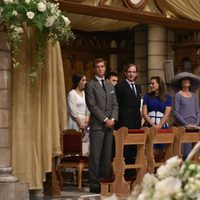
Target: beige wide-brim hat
x,y
194,79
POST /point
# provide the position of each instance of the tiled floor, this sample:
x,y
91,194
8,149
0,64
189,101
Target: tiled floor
x,y
70,192
67,193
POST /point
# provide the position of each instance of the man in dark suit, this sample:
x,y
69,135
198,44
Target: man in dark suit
x,y
129,100
102,104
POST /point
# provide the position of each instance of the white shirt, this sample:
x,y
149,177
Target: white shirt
x,y
132,85
99,79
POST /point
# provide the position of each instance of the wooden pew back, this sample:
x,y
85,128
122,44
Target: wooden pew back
x,y
159,136
123,137
185,135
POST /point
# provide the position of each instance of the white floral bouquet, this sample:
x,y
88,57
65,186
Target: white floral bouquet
x,y
47,21
176,180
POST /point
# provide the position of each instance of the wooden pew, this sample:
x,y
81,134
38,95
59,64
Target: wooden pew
x,y
185,135
123,137
159,136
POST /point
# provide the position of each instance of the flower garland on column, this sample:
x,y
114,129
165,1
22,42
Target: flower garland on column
x,y
47,20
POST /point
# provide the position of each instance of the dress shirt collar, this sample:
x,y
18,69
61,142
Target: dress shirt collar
x,y
129,82
99,78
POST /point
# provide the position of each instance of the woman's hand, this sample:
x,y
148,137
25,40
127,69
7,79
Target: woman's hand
x,y
83,126
192,126
157,126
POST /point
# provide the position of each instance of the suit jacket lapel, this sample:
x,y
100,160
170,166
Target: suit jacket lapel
x,y
100,88
130,89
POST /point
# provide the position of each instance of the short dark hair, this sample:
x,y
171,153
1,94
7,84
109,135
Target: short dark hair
x,y
76,79
98,60
110,74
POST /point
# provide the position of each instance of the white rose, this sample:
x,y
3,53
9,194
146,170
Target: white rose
x,y
149,180
164,171
53,9
41,7
192,167
12,26
1,10
141,197
8,1
67,21
27,1
30,15
167,187
19,29
14,13
174,161
50,21
58,13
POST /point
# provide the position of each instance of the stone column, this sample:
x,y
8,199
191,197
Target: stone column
x,y
113,58
10,188
140,50
157,51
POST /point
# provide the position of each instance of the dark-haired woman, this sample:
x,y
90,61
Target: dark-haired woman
x,y
78,113
157,104
156,109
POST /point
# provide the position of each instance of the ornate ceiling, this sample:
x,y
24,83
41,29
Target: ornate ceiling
x,y
115,15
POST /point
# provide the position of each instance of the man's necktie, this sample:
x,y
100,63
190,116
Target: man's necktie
x,y
134,89
103,84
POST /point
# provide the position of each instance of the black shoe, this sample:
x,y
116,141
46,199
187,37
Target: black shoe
x,y
95,190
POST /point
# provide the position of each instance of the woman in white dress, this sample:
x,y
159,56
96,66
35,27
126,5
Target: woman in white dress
x,y
78,113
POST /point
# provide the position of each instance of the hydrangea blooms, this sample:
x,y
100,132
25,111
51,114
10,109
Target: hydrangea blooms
x,y
172,181
46,18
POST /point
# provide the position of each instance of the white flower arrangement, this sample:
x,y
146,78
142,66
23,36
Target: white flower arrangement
x,y
47,21
176,180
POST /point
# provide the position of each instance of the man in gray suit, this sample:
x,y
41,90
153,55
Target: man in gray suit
x,y
102,104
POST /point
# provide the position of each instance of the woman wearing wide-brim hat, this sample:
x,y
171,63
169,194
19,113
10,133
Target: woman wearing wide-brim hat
x,y
176,81
186,107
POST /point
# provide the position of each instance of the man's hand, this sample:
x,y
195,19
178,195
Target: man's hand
x,y
109,123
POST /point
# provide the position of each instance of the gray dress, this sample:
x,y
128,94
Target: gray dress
x,y
186,111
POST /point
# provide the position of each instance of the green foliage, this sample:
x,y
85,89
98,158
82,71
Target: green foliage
x,y
46,19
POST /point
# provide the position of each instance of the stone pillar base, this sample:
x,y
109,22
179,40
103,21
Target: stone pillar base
x,y
14,191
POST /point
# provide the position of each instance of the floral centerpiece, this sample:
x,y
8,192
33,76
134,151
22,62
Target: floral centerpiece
x,y
176,180
47,20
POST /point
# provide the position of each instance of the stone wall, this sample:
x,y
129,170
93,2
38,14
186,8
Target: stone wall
x,y
10,188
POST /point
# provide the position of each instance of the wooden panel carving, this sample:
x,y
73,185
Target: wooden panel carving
x,y
79,54
187,50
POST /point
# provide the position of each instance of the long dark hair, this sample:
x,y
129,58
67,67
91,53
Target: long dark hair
x,y
162,93
76,79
